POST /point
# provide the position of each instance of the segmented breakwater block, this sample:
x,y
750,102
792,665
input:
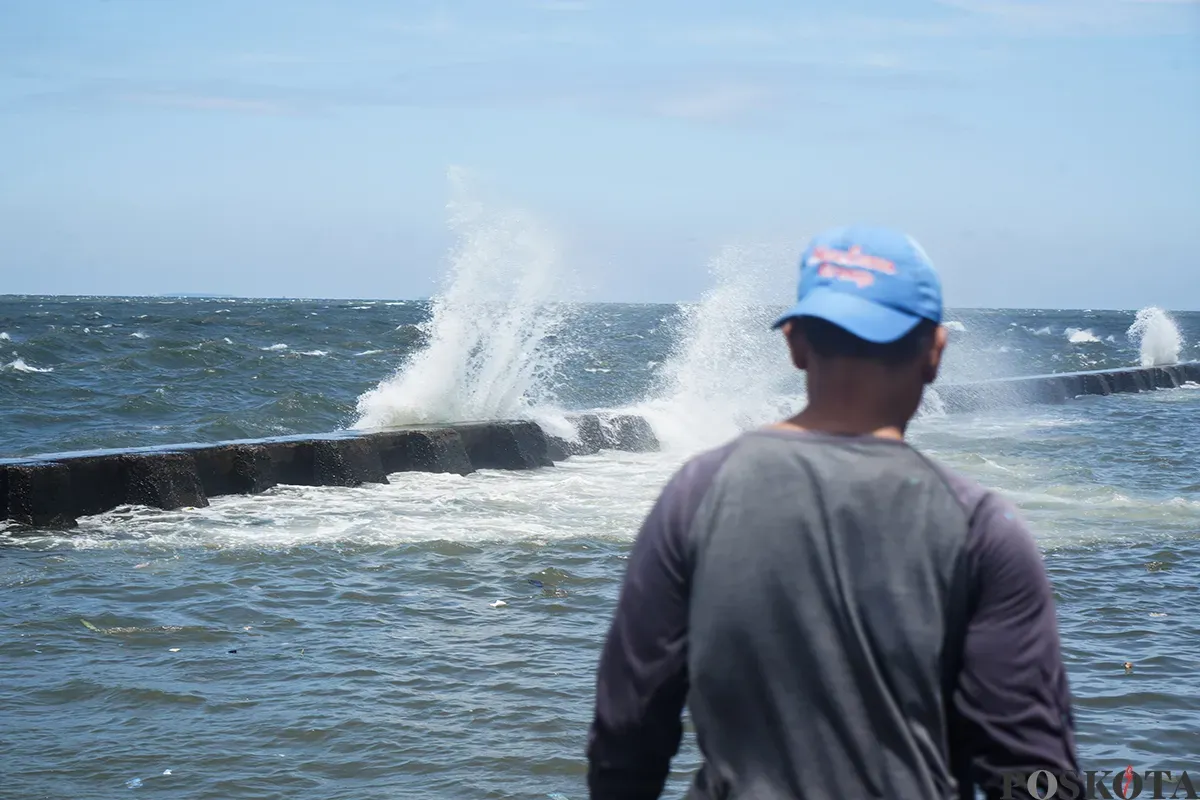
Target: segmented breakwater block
x,y
39,495
589,435
292,462
1167,377
163,480
588,439
557,448
234,469
629,433
98,483
347,462
505,445
1097,383
325,462
3,491
431,450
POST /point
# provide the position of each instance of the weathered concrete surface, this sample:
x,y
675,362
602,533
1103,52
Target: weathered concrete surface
x,y
234,469
347,462
505,445
163,480
98,484
589,438
429,450
628,432
39,495
596,432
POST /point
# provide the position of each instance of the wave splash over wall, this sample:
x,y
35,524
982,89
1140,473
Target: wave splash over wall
x,y
728,371
1157,336
491,336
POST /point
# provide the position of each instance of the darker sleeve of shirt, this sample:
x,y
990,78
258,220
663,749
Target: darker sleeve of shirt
x,y
642,681
1012,705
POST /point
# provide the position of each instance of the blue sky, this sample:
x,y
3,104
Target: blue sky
x,y
1045,153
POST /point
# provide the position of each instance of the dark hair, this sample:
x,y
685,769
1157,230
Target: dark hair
x,y
833,341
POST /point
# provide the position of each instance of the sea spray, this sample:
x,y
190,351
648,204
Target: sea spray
x,y
490,340
728,371
1157,337
1081,336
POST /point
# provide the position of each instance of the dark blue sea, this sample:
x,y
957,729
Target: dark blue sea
x,y
390,641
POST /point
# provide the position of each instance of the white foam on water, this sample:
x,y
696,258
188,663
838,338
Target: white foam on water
x,y
4,337
603,496
954,325
138,335
490,349
314,352
18,365
1040,331
369,353
1081,336
1157,336
275,348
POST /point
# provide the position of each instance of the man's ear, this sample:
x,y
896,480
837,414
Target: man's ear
x,y
797,345
933,357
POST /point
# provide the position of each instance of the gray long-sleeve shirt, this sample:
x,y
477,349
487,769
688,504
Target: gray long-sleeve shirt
x,y
844,618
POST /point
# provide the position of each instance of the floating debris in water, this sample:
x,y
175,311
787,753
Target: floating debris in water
x,y
499,604
166,772
1128,667
233,651
173,650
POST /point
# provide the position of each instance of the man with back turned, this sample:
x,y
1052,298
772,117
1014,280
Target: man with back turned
x,y
843,617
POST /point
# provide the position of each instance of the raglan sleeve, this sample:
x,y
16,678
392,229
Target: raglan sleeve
x,y
1011,709
642,681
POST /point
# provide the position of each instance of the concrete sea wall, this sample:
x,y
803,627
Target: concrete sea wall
x,y
53,491
1061,387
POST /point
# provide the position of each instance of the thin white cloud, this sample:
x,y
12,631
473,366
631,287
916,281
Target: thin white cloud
x,y
1077,17
206,102
564,5
719,103
437,24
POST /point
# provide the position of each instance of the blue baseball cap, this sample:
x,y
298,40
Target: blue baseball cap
x,y
874,282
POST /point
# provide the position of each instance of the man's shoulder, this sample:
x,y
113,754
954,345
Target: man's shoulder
x,y
996,524
699,470
970,493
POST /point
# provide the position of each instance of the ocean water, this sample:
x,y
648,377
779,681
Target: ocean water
x,y
437,637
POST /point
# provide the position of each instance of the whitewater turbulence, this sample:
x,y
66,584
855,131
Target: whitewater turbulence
x,y
728,371
490,349
1157,337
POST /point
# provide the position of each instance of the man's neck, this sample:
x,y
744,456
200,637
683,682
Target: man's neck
x,y
845,423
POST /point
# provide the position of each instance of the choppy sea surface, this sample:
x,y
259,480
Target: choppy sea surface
x,y
437,637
